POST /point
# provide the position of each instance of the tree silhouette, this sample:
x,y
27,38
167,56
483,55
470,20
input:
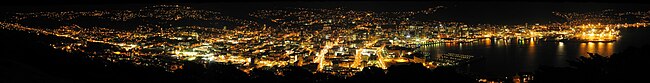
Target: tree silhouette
x,y
370,74
297,74
629,65
261,75
320,77
590,68
409,72
549,74
224,73
450,75
626,66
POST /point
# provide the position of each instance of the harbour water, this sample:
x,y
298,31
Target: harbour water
x,y
506,57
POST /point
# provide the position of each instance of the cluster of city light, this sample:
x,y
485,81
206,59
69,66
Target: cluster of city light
x,y
598,32
348,41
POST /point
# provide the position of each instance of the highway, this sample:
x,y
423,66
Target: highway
x,y
321,55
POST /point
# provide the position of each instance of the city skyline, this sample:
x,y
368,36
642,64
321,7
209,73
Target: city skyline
x,y
340,40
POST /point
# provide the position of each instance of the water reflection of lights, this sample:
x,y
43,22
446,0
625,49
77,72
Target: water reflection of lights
x,y
488,42
531,42
610,48
560,48
601,48
531,52
591,47
531,47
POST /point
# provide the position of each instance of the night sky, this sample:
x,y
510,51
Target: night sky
x,y
521,12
